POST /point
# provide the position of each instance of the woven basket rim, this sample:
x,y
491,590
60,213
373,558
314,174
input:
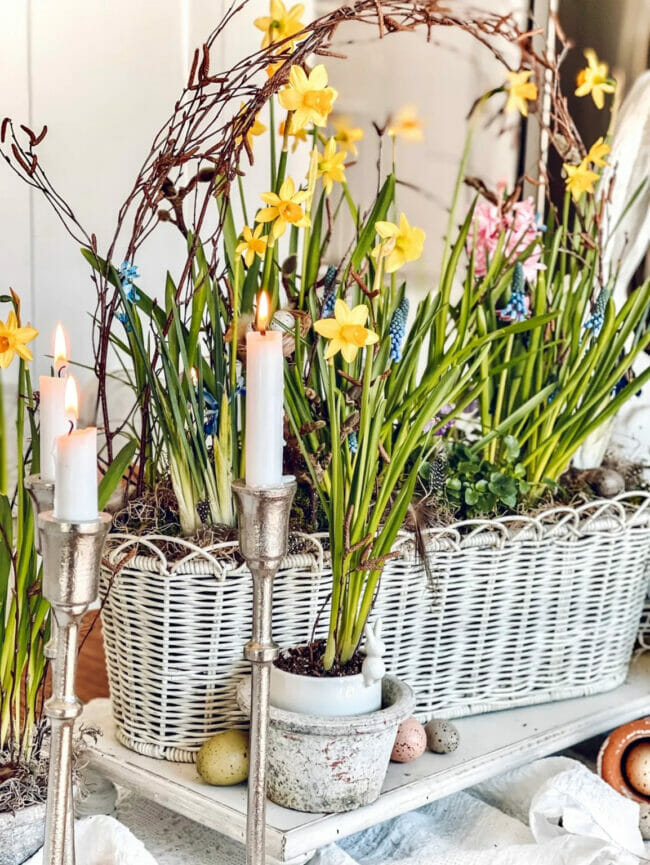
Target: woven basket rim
x,y
628,510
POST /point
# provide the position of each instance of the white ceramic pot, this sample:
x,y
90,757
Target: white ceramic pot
x,y
322,764
328,697
21,834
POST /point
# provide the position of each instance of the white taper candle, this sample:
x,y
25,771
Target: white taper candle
x,y
75,476
264,401
53,421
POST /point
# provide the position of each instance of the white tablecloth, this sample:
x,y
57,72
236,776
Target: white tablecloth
x,y
551,812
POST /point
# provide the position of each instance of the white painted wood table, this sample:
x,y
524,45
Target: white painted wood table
x,y
490,744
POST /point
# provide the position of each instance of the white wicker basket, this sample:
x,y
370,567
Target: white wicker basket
x,y
505,613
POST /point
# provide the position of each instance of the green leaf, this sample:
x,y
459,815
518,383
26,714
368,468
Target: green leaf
x,y
512,448
377,214
114,473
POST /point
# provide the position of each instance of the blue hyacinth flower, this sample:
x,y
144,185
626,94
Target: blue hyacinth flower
x,y
397,330
353,443
128,271
596,320
518,307
210,414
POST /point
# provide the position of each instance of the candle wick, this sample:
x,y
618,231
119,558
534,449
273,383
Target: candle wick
x,y
71,430
61,370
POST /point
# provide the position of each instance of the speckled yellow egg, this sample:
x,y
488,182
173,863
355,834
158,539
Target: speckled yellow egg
x,y
223,759
410,742
637,767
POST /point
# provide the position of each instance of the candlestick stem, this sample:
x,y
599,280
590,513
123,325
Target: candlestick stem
x,y
41,492
263,536
71,562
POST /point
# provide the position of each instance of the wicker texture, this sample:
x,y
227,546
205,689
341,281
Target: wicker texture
x,y
500,613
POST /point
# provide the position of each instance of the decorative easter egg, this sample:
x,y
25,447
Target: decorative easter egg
x,y
442,736
223,759
644,820
637,767
410,742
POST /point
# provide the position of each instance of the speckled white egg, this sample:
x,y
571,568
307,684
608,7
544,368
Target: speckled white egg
x,y
223,759
644,820
637,767
410,742
442,736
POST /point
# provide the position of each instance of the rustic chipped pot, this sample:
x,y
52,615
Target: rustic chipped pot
x,y
21,834
324,764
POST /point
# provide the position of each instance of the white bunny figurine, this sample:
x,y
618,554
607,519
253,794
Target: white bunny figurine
x,y
373,667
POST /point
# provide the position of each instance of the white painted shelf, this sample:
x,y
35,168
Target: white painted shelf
x,y
490,744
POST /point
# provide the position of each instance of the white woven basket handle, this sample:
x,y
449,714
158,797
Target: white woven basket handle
x,y
609,512
313,560
194,562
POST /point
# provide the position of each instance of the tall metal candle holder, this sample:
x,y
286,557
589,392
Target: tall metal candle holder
x,y
71,554
263,536
41,492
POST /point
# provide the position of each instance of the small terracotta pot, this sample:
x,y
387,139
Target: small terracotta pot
x,y
614,754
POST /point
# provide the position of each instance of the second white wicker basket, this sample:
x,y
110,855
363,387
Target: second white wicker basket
x,y
497,614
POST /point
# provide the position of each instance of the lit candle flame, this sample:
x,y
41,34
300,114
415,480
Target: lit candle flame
x,y
263,311
194,375
60,350
71,401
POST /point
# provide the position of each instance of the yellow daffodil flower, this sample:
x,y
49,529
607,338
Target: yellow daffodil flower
x,y
13,339
284,208
252,244
407,124
298,135
281,23
399,243
308,97
520,91
257,128
593,79
346,134
331,167
346,331
597,153
580,179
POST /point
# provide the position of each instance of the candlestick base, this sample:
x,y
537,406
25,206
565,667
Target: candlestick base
x,y
71,565
263,537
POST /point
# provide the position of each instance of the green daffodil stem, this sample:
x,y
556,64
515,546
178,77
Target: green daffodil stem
x,y
273,148
501,392
284,153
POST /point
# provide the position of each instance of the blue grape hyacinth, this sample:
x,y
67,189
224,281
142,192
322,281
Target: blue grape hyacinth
x,y
397,330
329,292
353,443
129,272
518,307
597,318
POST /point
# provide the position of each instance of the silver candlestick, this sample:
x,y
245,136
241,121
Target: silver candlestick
x,y
263,535
41,492
71,562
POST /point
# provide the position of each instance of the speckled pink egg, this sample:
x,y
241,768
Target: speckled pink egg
x,y
637,767
410,742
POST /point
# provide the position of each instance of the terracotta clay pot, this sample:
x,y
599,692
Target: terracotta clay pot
x,y
617,758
